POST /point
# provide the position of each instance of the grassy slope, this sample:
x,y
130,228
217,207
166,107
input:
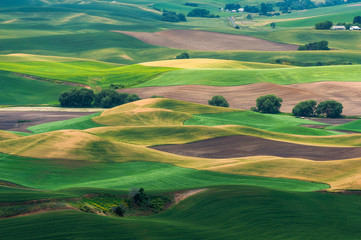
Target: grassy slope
x,y
79,123
250,212
124,176
270,122
155,112
20,90
354,126
89,73
194,63
108,146
233,77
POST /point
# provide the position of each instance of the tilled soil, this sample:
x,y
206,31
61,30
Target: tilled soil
x,y
20,121
208,41
244,96
246,146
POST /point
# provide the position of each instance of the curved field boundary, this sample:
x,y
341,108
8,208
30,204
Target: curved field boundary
x,y
207,41
246,146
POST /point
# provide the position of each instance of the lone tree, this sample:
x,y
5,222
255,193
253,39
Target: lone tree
x,y
273,25
357,19
305,109
269,104
219,101
331,109
76,97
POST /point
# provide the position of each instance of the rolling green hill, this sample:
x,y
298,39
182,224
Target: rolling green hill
x,y
233,77
235,212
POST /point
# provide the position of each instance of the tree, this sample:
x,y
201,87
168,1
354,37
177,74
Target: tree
x,y
183,55
323,25
249,17
322,45
76,97
140,198
357,19
269,104
273,25
219,101
305,108
331,108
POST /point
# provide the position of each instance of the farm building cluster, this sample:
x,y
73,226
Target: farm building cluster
x,y
352,28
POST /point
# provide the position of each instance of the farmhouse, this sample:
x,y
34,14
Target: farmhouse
x,y
338,28
355,28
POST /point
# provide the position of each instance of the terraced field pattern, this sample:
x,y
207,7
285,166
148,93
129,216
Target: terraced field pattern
x,y
170,166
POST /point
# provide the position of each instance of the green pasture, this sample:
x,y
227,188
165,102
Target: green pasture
x,y
79,123
17,90
56,175
269,122
300,58
354,126
219,213
233,77
89,73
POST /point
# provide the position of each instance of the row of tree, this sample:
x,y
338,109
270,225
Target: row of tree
x,y
107,98
322,45
169,16
201,12
271,104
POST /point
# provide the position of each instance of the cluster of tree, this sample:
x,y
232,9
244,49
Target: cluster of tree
x,y
138,199
323,25
169,16
183,55
288,5
322,45
107,98
191,4
329,3
200,12
263,9
232,6
330,109
219,101
154,203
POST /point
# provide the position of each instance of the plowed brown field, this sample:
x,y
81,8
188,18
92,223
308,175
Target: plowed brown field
x,y
208,41
244,97
245,146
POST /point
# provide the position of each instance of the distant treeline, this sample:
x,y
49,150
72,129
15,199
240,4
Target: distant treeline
x,y
286,6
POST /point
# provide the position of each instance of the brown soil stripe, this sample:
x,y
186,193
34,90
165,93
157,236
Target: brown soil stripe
x,y
245,146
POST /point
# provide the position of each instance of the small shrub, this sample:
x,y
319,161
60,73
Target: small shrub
x,y
254,109
183,55
120,210
219,101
